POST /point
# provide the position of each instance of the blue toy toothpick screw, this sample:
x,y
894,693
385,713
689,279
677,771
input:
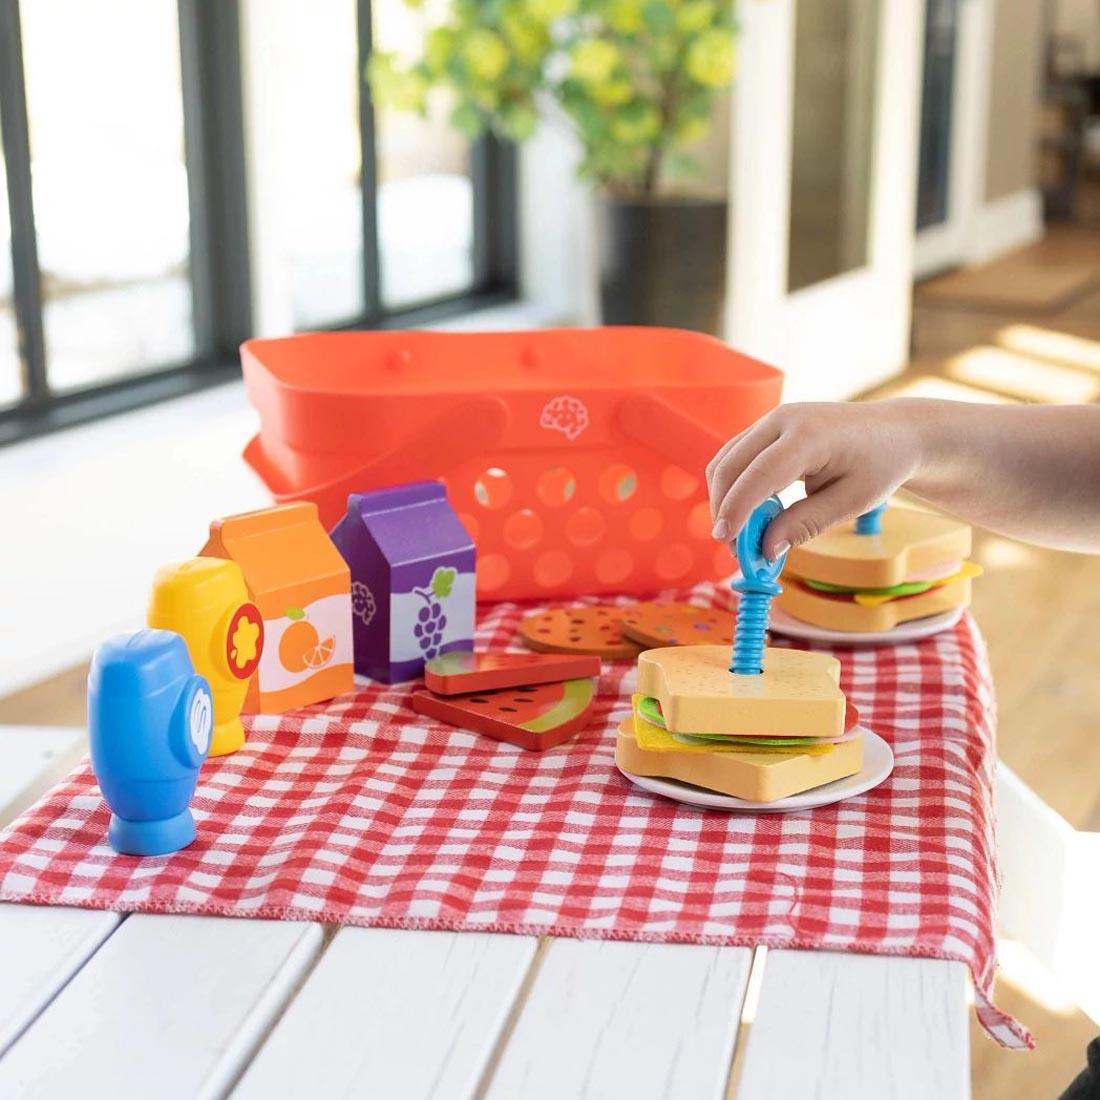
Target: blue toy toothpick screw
x,y
870,523
757,588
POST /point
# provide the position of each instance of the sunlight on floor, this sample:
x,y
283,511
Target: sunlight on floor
x,y
1058,347
928,385
997,553
1022,376
1022,969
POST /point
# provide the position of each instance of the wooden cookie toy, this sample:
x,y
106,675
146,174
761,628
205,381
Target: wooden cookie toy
x,y
535,717
664,624
593,630
462,672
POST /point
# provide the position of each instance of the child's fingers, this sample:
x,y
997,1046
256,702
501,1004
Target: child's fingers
x,y
731,463
724,450
807,518
773,469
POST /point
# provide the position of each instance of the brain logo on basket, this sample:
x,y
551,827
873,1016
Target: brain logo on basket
x,y
564,414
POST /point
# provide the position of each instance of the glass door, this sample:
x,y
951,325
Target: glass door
x,y
824,170
941,26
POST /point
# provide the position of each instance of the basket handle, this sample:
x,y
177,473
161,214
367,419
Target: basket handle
x,y
660,426
451,437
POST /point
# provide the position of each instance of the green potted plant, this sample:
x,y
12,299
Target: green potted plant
x,y
637,79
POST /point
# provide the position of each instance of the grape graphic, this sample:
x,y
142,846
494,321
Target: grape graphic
x,y
430,620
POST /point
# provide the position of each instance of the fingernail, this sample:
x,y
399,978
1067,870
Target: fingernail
x,y
780,549
721,529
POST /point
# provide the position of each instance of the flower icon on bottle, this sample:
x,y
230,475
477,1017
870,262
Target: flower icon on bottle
x,y
244,641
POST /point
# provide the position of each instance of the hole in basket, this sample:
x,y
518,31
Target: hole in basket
x,y
585,527
614,565
553,568
673,561
646,524
699,522
523,529
678,484
493,489
493,571
556,486
618,483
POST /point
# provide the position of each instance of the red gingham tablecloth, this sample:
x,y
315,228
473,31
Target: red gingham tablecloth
x,y
363,812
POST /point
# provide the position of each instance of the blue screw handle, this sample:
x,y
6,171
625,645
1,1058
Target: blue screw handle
x,y
870,523
757,587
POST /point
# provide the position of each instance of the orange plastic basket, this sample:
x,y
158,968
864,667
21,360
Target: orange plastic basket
x,y
573,456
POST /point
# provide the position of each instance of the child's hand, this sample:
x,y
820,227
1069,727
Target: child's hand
x,y
851,458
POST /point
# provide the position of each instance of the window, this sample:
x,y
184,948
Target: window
x,y
425,189
110,187
182,174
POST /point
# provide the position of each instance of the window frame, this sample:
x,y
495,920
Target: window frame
x,y
210,69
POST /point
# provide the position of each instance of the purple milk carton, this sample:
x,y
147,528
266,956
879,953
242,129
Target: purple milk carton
x,y
412,578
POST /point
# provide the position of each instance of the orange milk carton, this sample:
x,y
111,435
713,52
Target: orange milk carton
x,y
302,587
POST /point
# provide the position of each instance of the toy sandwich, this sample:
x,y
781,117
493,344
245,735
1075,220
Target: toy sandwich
x,y
772,725
890,566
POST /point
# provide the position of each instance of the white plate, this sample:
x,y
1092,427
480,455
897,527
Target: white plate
x,y
878,763
912,631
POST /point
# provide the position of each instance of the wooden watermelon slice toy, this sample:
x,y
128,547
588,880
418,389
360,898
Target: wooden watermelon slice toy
x,y
531,716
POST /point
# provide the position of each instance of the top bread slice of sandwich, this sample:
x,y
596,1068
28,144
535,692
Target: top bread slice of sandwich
x,y
797,694
911,543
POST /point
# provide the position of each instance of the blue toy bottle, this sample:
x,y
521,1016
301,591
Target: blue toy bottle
x,y
150,719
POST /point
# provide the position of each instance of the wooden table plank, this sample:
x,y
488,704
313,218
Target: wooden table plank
x,y
33,759
840,1026
626,1019
390,1013
169,1007
41,947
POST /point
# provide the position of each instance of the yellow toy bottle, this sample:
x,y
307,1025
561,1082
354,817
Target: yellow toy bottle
x,y
206,601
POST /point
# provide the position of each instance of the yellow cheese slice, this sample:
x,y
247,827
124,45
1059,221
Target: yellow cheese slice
x,y
968,571
652,738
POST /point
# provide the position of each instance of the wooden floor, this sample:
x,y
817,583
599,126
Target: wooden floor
x,y
1040,610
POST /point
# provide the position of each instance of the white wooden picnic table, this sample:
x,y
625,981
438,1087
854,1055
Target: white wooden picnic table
x,y
96,1004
